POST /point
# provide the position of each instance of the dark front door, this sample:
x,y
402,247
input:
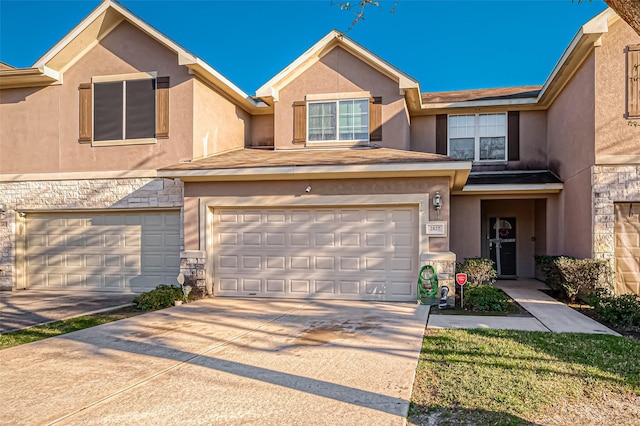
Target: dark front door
x,y
502,244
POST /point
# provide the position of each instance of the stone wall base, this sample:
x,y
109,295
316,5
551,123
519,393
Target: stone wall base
x,y
445,266
192,264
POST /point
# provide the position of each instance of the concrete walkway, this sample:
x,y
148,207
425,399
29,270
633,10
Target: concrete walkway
x,y
223,361
548,313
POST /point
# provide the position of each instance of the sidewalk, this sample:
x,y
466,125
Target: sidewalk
x,y
548,313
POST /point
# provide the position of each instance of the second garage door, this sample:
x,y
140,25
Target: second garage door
x,y
627,248
120,251
362,253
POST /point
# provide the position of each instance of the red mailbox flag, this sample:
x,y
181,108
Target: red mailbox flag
x,y
461,279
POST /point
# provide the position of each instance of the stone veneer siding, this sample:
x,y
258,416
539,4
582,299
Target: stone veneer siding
x,y
611,184
192,264
90,194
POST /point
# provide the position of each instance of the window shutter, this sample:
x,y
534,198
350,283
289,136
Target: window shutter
x,y
299,122
85,128
375,119
162,107
441,134
633,81
513,133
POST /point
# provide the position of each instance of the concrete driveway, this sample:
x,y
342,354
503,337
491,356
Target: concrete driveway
x,y
223,361
26,308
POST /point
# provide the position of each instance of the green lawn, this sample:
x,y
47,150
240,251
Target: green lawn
x,y
57,328
497,377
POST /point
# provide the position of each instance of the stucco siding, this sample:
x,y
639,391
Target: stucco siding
x,y
571,124
218,125
577,217
46,120
465,231
340,72
423,133
533,141
262,130
615,136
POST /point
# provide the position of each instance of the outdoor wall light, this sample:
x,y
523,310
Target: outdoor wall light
x,y
3,208
437,203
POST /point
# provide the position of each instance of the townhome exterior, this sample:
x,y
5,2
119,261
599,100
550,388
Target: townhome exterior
x,y
339,179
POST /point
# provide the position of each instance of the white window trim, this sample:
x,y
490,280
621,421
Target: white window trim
x,y
116,78
337,101
476,136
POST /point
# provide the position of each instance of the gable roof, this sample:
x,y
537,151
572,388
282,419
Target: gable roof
x,y
270,90
96,26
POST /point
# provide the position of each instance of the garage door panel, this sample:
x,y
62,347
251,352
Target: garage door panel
x,y
109,251
325,253
627,248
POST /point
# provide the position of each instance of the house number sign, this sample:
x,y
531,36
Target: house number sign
x,y
436,229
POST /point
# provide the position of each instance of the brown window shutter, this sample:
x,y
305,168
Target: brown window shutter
x,y
633,81
513,133
375,119
162,107
299,122
85,128
441,134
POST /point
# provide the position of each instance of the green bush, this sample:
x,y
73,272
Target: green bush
x,y
575,277
623,310
552,276
478,269
485,298
163,296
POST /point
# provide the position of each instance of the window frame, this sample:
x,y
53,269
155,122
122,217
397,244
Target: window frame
x,y
477,137
630,74
152,75
337,101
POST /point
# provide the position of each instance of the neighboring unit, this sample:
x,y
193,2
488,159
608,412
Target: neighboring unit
x,y
339,179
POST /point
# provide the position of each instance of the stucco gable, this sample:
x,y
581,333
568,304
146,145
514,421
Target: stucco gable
x,y
108,16
406,85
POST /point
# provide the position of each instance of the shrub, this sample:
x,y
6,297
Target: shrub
x,y
552,276
479,270
623,310
163,296
485,298
575,277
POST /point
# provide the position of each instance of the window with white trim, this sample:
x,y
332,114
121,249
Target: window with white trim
x,y
339,120
478,137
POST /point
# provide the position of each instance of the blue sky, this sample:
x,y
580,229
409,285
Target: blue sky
x,y
445,45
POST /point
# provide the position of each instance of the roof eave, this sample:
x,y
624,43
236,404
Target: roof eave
x,y
575,54
28,77
458,171
511,189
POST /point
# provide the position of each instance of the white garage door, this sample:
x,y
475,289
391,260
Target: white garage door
x,y
338,253
102,251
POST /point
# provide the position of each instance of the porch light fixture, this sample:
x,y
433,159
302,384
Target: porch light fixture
x,y
437,203
3,208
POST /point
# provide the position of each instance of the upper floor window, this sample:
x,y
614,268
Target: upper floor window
x,y
124,109
339,120
478,137
633,81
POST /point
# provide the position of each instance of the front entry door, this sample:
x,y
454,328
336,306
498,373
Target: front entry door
x,y
502,244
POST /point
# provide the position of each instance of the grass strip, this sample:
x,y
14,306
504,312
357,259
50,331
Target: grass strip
x,y
57,328
517,377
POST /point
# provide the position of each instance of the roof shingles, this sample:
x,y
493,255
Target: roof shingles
x,y
247,158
